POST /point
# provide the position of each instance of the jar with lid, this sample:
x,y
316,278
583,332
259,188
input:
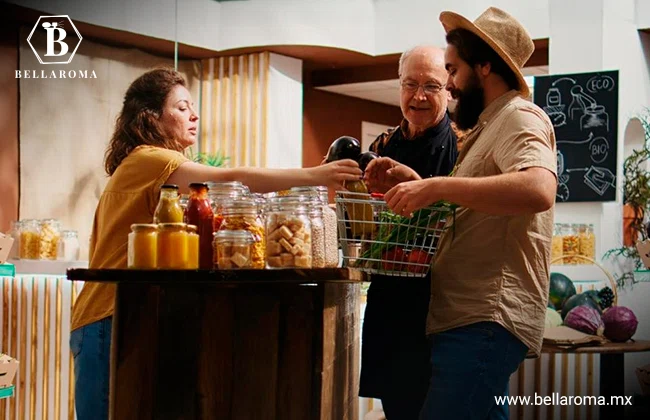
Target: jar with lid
x,y
30,239
143,246
233,249
14,232
172,246
587,240
331,230
289,234
219,192
169,208
242,214
199,213
68,248
311,196
570,243
192,247
557,244
49,239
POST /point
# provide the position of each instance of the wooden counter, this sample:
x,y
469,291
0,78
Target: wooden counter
x,y
253,344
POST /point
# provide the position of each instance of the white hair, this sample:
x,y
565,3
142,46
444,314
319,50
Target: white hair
x,y
406,54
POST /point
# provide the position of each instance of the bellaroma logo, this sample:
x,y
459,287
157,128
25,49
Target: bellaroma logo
x,y
61,42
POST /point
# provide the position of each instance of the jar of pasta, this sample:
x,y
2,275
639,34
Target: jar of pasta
x,y
30,240
242,214
192,247
233,249
570,243
49,237
587,240
143,246
556,244
289,234
172,246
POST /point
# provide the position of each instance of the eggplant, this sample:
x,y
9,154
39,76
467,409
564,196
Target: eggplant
x,y
365,158
344,147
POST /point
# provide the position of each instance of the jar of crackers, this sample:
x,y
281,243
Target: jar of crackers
x,y
289,234
242,214
233,249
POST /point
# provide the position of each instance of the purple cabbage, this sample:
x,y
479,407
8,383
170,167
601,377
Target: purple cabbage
x,y
620,323
585,319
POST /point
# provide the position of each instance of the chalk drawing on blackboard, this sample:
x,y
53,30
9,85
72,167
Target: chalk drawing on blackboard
x,y
585,141
554,107
600,83
598,147
584,107
562,193
600,179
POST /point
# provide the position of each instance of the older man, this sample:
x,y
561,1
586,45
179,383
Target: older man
x,y
395,353
490,278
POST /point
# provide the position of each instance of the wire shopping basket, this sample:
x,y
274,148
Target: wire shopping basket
x,y
377,241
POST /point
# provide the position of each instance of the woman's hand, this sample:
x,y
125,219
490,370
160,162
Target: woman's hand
x,y
333,174
384,173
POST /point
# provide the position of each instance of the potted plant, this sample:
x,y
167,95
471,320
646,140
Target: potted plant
x,y
636,193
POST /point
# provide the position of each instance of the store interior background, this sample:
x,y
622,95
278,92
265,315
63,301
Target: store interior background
x,y
323,68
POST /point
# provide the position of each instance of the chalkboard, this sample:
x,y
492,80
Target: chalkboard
x,y
584,111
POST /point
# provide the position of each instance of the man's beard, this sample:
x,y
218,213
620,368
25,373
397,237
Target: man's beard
x,y
469,104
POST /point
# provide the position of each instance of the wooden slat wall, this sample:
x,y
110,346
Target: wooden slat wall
x,y
36,330
234,108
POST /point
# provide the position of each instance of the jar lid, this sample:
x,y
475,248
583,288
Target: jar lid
x,y
169,187
239,235
69,233
178,226
239,205
192,228
198,185
143,226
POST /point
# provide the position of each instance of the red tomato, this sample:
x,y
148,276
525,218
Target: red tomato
x,y
418,257
391,259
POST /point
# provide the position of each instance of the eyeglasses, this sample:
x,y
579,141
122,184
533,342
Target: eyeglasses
x,y
428,88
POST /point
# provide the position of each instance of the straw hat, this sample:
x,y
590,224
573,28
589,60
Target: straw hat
x,y
500,31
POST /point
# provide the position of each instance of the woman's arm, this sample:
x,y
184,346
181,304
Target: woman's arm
x,y
266,180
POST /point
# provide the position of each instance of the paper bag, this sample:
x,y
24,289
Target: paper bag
x,y
565,336
6,242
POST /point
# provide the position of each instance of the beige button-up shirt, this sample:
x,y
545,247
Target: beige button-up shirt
x,y
496,268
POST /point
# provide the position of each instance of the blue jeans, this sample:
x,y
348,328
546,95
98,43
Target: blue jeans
x,y
471,366
91,348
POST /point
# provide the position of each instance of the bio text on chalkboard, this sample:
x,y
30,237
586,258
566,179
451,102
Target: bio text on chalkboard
x,y
584,111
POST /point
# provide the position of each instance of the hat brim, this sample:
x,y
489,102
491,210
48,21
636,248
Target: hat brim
x,y
451,21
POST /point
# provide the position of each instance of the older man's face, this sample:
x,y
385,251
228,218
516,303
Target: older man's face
x,y
423,98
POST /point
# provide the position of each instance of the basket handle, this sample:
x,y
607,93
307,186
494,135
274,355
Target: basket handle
x,y
612,282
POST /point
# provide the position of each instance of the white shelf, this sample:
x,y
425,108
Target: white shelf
x,y
581,273
45,267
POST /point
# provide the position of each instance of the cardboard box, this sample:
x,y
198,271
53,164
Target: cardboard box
x,y
6,242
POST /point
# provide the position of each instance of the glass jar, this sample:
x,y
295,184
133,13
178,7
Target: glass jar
x,y
30,241
220,192
14,232
233,249
169,208
50,233
199,213
172,246
317,234
68,248
143,246
570,244
557,244
242,214
587,240
288,234
192,247
331,230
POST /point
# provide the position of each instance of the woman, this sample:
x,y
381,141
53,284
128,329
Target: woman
x,y
156,124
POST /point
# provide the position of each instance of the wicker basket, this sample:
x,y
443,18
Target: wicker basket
x,y
588,260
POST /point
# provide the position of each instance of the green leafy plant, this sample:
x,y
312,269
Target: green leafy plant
x,y
216,160
636,189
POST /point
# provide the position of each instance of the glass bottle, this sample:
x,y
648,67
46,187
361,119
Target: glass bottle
x,y
172,246
199,213
68,248
143,246
30,241
50,233
556,244
587,241
192,247
242,214
289,234
169,208
570,243
233,249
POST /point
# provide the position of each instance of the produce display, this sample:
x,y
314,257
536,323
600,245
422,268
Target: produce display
x,y
620,323
561,288
585,319
344,147
553,318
